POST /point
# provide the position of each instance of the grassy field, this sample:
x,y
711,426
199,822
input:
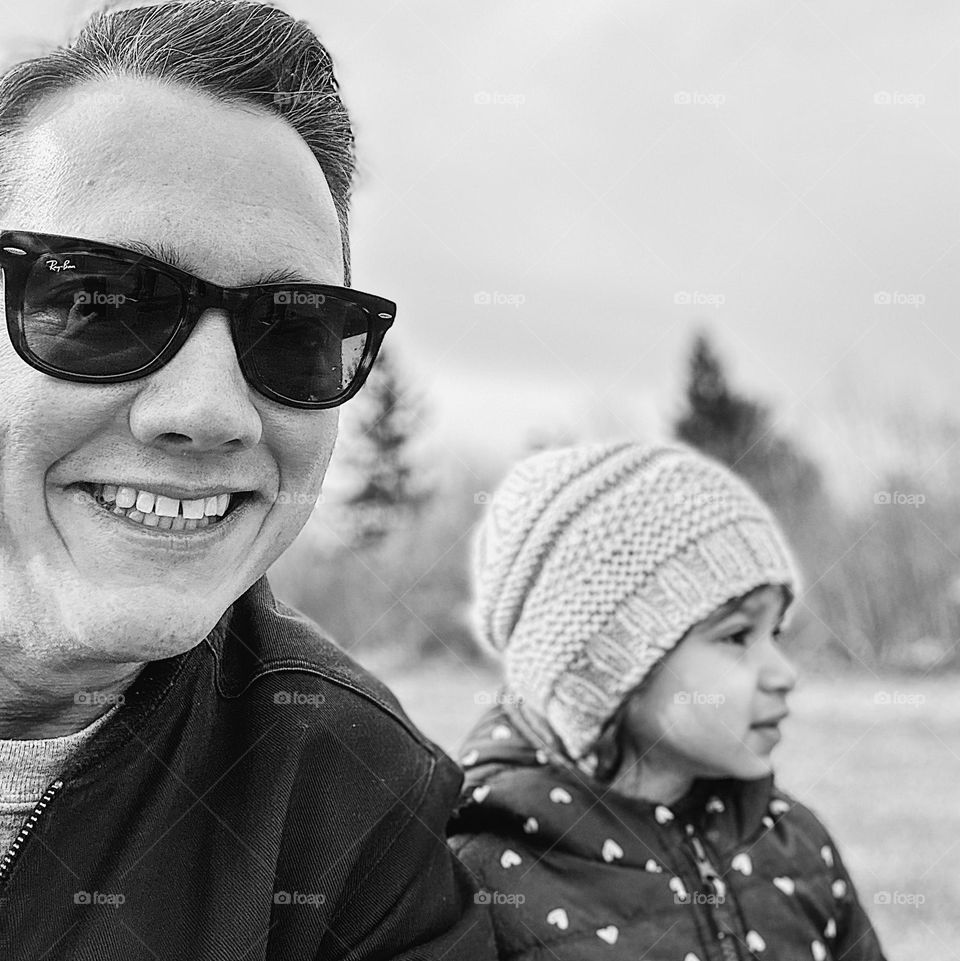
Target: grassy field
x,y
877,759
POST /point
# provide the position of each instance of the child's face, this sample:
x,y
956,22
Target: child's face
x,y
713,706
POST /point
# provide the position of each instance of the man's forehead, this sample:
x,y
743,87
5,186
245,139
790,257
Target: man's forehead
x,y
221,191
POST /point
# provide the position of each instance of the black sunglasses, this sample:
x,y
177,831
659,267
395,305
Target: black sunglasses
x,y
92,312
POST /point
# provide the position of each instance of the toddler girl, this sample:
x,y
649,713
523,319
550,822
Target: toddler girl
x,y
619,801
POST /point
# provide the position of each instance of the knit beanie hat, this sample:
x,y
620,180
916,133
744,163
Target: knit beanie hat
x,y
592,562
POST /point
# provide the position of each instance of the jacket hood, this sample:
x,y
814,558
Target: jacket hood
x,y
512,785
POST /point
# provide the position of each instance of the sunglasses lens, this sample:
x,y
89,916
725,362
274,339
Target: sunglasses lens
x,y
305,346
86,314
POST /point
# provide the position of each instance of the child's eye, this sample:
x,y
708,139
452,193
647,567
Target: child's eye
x,y
740,637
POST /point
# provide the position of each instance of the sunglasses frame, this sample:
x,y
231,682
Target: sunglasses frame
x,y
21,249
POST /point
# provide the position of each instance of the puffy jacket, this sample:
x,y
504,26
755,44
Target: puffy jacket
x,y
571,870
258,797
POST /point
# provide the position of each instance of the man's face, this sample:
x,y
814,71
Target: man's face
x,y
237,194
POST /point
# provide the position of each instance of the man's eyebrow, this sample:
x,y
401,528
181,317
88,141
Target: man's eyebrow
x,y
169,255
158,251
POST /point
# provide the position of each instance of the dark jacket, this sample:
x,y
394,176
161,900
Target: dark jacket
x,y
573,872
259,797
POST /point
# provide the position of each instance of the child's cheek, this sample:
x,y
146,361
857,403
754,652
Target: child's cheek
x,y
691,722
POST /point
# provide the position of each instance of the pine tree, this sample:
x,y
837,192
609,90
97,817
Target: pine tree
x,y
718,421
740,432
386,420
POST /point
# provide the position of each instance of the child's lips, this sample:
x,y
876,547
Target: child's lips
x,y
769,732
771,721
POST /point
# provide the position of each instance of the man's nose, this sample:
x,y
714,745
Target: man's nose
x,y
200,399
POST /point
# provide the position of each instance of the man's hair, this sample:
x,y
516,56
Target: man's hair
x,y
237,51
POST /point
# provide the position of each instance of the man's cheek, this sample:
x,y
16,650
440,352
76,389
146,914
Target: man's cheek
x,y
310,459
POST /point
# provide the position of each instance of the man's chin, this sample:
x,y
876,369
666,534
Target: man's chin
x,y
139,634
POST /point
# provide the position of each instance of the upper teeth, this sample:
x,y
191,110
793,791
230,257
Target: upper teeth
x,y
148,502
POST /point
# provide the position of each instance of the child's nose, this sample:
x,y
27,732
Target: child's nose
x,y
777,671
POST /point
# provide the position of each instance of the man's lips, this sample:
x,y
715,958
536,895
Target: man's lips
x,y
165,528
96,491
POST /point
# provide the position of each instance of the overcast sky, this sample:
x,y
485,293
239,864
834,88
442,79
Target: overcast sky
x,y
558,193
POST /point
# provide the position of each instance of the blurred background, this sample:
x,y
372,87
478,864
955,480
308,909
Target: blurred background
x,y
736,224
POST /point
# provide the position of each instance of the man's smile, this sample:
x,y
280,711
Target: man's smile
x,y
163,514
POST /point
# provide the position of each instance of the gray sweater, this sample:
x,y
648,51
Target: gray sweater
x,y
26,770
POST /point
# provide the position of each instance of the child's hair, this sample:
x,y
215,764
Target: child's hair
x,y
610,747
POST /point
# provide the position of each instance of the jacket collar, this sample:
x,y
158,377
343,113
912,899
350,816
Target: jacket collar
x,y
256,635
245,639
514,783
133,721
260,635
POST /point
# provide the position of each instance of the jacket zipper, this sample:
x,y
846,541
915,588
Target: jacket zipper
x,y
727,931
26,830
